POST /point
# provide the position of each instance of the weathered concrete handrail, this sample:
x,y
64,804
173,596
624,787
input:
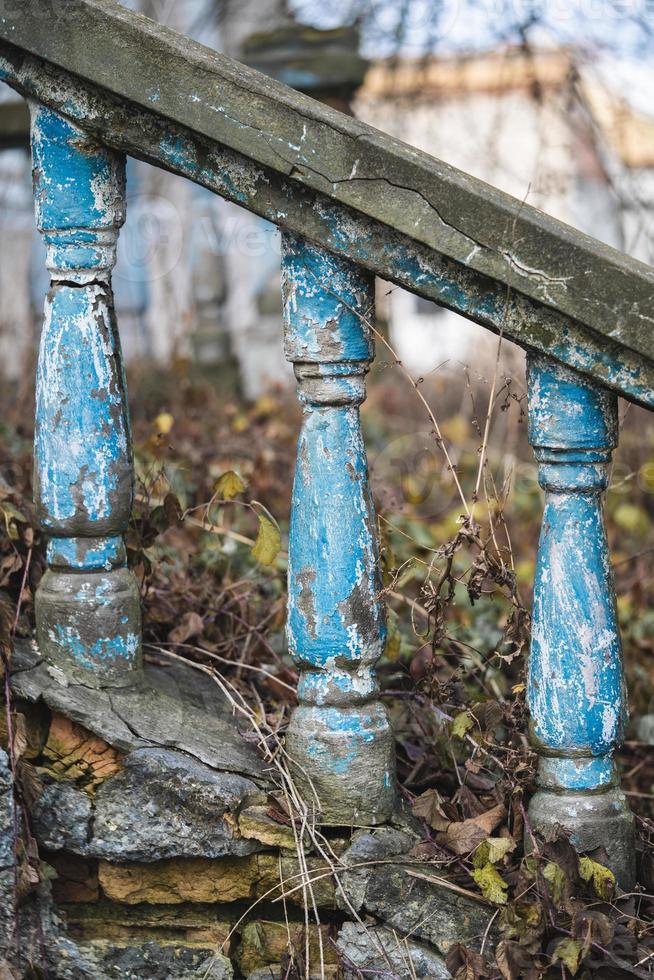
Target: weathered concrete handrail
x,y
402,214
351,202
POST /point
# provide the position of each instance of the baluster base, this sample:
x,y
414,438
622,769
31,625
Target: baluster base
x,y
89,625
344,763
591,820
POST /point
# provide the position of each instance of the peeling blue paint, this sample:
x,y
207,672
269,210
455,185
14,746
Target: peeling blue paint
x,y
336,627
74,187
82,455
576,690
87,604
79,193
324,301
114,651
86,554
577,774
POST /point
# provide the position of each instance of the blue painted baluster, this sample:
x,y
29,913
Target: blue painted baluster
x,y
576,687
87,605
339,736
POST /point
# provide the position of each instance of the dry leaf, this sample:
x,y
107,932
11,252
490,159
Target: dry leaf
x,y
515,963
164,423
492,850
569,952
27,878
462,724
464,836
20,740
268,543
428,806
191,624
603,879
556,879
465,964
229,485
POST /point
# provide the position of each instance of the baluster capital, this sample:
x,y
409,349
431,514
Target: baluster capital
x,y
79,197
573,427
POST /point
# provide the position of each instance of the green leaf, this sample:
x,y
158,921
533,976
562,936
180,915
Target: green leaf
x,y
492,885
268,543
554,875
461,724
602,878
229,485
568,952
393,636
492,850
631,518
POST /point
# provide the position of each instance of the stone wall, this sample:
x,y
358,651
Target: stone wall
x,y
163,850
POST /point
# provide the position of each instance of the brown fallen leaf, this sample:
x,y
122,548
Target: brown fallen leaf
x,y
464,836
466,964
515,963
429,806
191,624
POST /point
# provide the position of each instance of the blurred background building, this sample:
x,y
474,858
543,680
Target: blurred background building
x,y
197,277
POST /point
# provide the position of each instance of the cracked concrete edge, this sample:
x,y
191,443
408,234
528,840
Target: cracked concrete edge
x,y
307,167
145,715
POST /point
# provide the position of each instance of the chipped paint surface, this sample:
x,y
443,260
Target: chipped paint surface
x,y
324,298
336,628
87,554
575,687
79,194
87,605
82,457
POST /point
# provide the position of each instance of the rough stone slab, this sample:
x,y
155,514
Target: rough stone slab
x,y
106,920
164,709
45,942
404,215
185,777
61,819
162,804
7,874
6,813
165,804
255,823
381,953
123,961
265,943
429,912
7,911
201,880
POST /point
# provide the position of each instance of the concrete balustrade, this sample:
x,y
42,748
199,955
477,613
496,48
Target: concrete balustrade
x,y
351,203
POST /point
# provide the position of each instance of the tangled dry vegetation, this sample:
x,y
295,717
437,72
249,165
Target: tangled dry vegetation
x,y
459,512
